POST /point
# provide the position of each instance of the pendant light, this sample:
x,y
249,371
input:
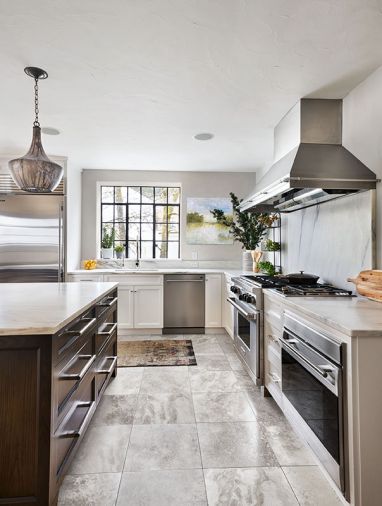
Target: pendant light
x,y
34,172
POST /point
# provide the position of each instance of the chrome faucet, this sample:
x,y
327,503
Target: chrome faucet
x,y
137,259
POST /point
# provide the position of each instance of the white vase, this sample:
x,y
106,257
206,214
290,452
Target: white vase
x,y
107,253
247,263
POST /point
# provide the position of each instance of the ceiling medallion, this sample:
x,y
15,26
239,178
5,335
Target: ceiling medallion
x,y
34,172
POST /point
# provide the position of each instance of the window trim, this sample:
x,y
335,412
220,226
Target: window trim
x,y
161,184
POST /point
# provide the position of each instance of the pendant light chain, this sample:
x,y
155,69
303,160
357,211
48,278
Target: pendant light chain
x,y
36,111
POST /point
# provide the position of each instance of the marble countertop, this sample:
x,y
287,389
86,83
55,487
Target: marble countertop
x,y
44,308
353,316
191,270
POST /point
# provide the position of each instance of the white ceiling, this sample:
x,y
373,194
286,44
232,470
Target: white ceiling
x,y
132,81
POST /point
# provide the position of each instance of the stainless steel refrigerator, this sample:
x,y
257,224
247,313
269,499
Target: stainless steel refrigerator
x,y
32,238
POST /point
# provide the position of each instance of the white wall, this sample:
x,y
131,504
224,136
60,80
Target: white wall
x,y
362,134
73,217
194,184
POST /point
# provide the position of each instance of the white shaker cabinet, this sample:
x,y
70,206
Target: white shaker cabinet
x,y
213,300
227,308
140,301
125,306
148,307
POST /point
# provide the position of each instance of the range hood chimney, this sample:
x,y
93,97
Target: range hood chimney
x,y
310,163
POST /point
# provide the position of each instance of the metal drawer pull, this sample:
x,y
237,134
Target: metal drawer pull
x,y
109,333
78,432
108,371
320,370
108,304
82,331
274,377
84,370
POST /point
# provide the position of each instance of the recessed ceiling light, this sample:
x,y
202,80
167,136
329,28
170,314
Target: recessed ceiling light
x,y
203,136
50,131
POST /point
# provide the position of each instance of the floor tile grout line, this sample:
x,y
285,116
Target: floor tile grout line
x,y
200,448
289,483
128,443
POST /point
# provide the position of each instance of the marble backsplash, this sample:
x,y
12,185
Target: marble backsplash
x,y
334,240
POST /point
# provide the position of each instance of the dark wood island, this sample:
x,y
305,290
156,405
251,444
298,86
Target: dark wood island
x,y
58,351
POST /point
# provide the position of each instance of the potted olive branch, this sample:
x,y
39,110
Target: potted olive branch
x,y
245,227
107,242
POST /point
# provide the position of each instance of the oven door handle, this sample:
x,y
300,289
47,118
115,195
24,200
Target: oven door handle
x,y
242,311
320,371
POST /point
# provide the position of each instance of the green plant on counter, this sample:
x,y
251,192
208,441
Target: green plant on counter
x,y
107,237
267,267
245,227
120,248
272,245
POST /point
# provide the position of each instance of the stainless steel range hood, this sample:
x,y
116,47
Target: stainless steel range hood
x,y
311,165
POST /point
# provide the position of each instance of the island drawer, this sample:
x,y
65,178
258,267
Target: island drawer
x,y
66,341
106,365
70,374
73,426
106,307
106,331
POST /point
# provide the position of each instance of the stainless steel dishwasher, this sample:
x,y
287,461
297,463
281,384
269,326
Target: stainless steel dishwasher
x,y
184,303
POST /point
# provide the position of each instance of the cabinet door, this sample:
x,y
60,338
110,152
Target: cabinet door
x,y
125,306
148,307
213,300
227,310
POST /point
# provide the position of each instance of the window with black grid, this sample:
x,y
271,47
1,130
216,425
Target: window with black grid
x,y
148,215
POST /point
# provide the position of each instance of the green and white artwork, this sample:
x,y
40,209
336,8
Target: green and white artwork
x,y
202,227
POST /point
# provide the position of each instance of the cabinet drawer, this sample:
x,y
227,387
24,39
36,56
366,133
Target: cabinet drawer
x,y
69,375
272,342
105,365
104,333
66,342
273,380
106,306
73,426
137,279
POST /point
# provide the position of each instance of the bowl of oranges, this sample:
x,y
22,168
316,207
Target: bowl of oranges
x,y
90,264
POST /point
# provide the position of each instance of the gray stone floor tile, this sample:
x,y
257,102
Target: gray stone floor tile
x,y
102,450
163,488
207,346
235,444
213,381
287,446
222,407
311,487
212,362
127,381
265,408
234,361
163,447
115,410
261,486
89,490
164,408
165,380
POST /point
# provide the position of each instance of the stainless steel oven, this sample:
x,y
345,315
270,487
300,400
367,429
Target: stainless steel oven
x,y
313,386
247,332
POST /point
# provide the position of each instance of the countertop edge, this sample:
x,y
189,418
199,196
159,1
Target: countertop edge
x,y
293,302
52,330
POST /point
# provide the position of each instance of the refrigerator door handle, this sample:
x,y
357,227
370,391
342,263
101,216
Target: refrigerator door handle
x,y
60,244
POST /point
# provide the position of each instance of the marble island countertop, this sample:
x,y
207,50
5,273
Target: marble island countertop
x,y
353,316
44,308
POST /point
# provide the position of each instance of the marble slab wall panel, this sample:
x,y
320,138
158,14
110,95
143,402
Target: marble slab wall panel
x,y
333,240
